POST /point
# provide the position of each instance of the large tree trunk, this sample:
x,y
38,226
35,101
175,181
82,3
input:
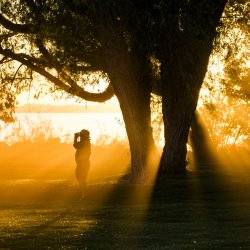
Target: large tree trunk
x,y
136,115
185,47
178,111
129,78
178,105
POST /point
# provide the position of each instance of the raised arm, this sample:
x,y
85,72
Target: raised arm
x,y
76,135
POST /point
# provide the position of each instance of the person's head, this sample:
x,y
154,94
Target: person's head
x,y
84,134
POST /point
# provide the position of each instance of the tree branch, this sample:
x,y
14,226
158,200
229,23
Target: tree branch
x,y
71,87
21,28
3,59
14,77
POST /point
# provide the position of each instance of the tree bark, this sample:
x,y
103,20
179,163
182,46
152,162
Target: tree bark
x,y
180,96
178,110
131,84
185,47
137,120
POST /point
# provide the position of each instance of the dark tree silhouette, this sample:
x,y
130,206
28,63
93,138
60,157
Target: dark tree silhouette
x,y
231,47
118,38
75,38
186,41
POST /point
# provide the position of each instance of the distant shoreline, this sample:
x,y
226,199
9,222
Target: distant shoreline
x,y
37,108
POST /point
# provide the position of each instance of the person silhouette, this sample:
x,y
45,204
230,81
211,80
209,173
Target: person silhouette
x,y
82,158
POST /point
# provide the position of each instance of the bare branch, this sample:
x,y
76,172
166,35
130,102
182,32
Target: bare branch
x,y
14,77
6,60
38,61
71,87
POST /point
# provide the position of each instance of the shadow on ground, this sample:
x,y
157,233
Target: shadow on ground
x,y
196,212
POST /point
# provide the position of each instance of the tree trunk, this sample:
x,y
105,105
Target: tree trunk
x,y
136,115
180,96
132,88
178,112
182,74
185,47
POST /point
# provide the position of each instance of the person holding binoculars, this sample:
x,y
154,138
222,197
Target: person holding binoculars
x,y
82,158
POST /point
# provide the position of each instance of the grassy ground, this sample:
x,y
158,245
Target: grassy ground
x,y
197,212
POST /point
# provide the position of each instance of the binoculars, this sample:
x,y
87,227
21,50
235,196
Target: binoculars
x,y
84,133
